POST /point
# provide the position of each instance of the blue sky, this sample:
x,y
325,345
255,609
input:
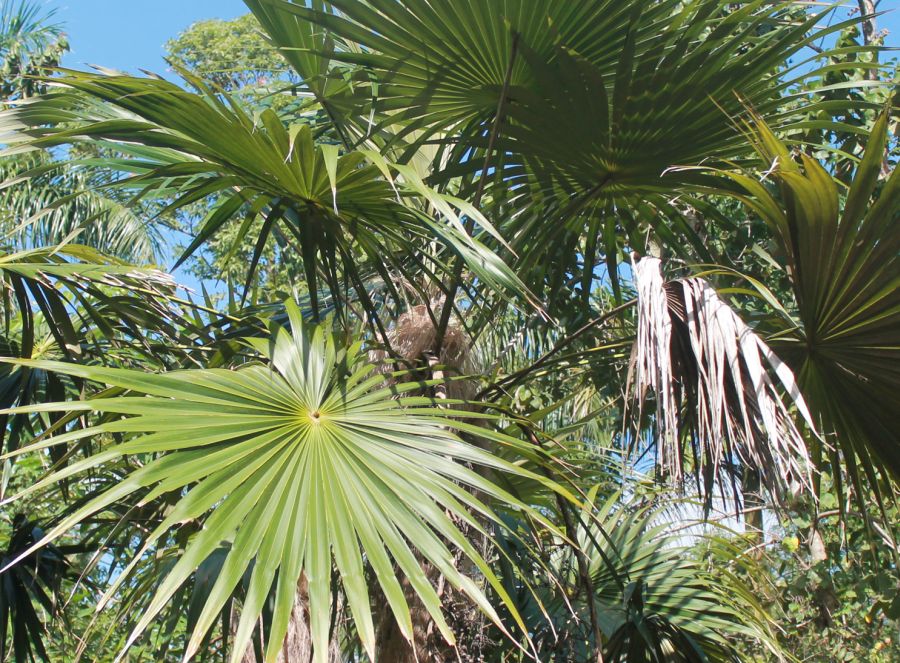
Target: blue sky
x,y
129,34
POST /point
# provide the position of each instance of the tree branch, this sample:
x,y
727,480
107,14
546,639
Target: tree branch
x,y
866,12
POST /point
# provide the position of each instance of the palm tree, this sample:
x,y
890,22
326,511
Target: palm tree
x,y
30,45
431,455
54,202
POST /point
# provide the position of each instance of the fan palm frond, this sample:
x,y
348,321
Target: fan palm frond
x,y
46,203
573,114
659,592
331,207
658,600
842,255
294,466
593,88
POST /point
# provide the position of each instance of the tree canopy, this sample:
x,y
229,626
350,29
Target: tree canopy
x,y
527,331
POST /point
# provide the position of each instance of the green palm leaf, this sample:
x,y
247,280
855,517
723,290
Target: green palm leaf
x,y
342,212
599,93
653,580
295,466
677,80
445,63
53,280
843,260
594,104
47,203
652,587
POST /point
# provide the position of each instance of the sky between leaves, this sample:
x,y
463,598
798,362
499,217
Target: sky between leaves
x,y
129,34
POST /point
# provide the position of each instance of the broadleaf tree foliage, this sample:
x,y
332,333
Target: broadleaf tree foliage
x,y
528,313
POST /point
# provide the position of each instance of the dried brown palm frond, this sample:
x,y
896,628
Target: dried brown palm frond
x,y
714,381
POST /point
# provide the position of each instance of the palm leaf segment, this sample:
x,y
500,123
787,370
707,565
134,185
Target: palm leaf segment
x,y
594,89
293,466
56,280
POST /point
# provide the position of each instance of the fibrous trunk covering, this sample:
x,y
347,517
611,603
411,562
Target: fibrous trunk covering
x,y
413,339
297,646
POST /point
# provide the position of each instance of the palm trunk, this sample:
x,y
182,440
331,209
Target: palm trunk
x,y
427,646
418,342
297,646
391,645
753,510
